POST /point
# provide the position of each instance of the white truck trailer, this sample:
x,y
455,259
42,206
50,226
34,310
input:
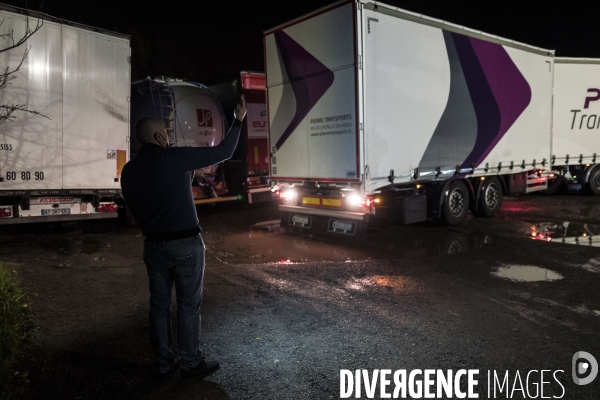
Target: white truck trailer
x,y
576,125
66,166
376,110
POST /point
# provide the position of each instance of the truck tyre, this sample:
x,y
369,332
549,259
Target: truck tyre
x,y
555,185
456,204
490,198
593,182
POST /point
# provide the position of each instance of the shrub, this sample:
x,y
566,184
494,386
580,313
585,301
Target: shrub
x,y
12,325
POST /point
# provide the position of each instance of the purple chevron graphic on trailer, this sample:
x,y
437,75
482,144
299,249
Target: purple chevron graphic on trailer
x,y
487,95
510,88
309,78
498,90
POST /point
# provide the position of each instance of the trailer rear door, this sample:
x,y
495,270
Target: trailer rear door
x,y
96,108
311,83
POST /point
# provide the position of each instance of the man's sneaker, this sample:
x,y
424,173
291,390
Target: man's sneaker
x,y
205,368
165,376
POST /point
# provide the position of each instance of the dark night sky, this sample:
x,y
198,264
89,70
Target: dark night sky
x,y
205,40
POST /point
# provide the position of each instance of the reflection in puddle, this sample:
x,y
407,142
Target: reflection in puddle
x,y
267,242
393,282
593,265
526,273
566,232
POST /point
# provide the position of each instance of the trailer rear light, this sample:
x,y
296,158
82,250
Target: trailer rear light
x,y
354,200
288,195
357,201
6,212
107,207
254,181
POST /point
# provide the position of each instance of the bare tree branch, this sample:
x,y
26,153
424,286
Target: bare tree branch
x,y
6,112
28,33
7,74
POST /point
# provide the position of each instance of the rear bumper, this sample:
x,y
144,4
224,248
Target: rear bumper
x,y
260,194
330,222
56,218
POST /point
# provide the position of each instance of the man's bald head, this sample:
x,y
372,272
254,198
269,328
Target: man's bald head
x,y
147,128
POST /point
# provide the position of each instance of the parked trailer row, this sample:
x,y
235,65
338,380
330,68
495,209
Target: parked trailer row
x,y
64,162
374,110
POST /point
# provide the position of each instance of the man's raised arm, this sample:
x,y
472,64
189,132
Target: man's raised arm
x,y
192,158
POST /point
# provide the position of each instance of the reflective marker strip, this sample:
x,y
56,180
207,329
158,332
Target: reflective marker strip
x,y
121,160
332,202
315,201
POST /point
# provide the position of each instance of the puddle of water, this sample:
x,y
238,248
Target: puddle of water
x,y
61,246
268,242
527,273
89,246
565,232
79,245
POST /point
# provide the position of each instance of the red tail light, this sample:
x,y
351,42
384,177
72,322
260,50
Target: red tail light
x,y
107,207
5,212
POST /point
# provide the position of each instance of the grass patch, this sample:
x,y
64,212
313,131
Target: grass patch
x,y
12,327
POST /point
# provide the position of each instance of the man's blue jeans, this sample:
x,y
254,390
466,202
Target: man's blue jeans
x,y
179,262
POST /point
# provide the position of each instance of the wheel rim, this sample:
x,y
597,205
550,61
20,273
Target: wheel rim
x,y
457,202
491,196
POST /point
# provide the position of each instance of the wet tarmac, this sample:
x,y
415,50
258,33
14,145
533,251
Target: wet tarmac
x,y
267,242
284,311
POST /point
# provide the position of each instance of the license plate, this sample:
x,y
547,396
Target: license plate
x,y
56,211
341,226
301,221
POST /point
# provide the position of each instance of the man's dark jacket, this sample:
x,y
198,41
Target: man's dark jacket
x,y
157,185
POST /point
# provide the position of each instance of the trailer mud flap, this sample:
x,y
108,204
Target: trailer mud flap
x,y
343,224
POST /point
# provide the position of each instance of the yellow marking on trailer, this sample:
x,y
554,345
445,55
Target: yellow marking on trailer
x,y
332,202
313,201
121,160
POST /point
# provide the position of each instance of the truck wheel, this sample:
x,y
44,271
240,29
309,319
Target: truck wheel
x,y
593,182
490,198
457,204
555,185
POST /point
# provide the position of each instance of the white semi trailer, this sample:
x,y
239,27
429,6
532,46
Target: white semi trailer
x,y
376,110
576,125
65,164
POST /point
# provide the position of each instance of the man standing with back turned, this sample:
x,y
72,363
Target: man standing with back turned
x,y
157,188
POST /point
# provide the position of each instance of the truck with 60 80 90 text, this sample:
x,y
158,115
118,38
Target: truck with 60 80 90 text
x,y
62,162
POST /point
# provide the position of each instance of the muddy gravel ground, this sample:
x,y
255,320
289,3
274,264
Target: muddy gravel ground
x,y
285,312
